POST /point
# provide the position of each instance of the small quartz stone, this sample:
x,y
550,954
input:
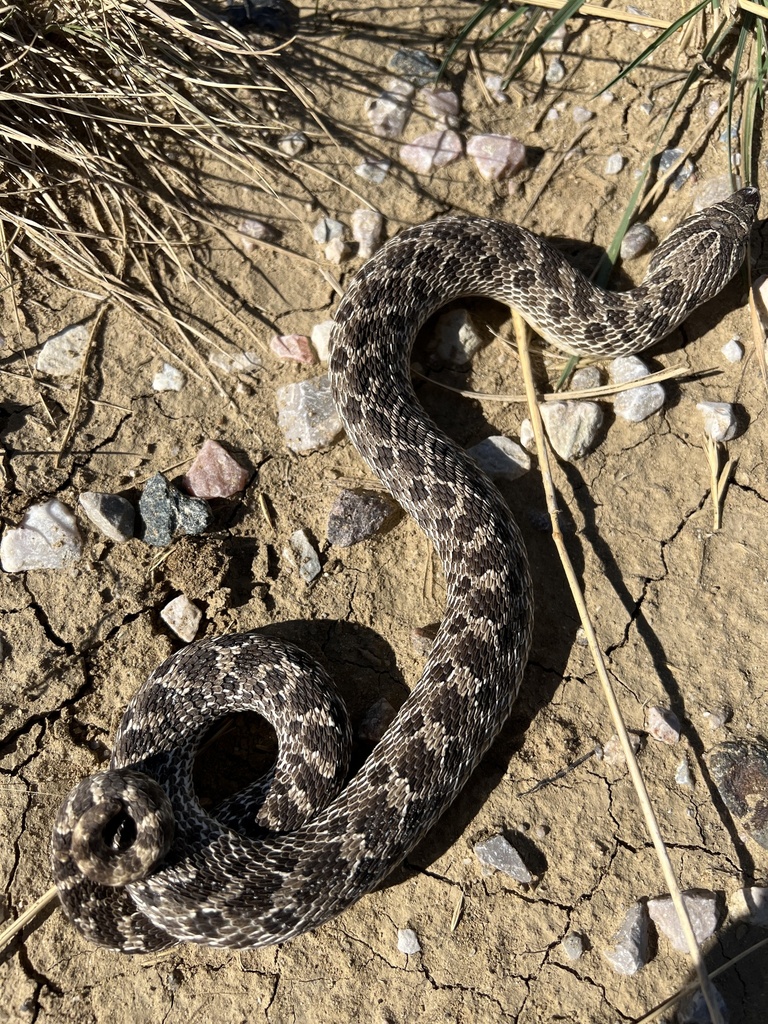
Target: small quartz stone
x,y
293,144
572,427
337,251
415,66
214,473
321,339
717,717
110,513
432,151
168,379
683,775
376,720
443,104
408,941
457,337
749,904
357,515
638,239
581,115
293,346
586,378
639,403
614,164
388,113
667,159
46,538
719,420
63,353
733,350
663,725
628,950
372,170
501,458
326,229
573,946
182,617
527,439
367,229
302,553
612,750
499,854
307,416
740,772
555,72
167,513
496,156
702,910
493,83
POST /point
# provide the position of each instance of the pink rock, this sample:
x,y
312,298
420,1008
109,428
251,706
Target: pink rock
x,y
431,151
214,473
496,156
292,346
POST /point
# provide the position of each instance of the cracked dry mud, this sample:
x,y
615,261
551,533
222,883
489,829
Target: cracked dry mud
x,y
678,609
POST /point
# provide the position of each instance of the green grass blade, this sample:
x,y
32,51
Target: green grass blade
x,y
485,12
557,19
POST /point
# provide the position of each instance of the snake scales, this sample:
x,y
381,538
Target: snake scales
x,y
138,863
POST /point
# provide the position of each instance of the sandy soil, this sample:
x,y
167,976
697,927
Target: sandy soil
x,y
679,609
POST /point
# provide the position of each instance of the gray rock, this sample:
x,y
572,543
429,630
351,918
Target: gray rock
x,y
367,229
46,538
415,66
638,239
639,403
628,951
499,854
301,552
62,354
167,513
667,159
456,337
614,164
110,513
663,725
740,772
307,416
712,191
573,946
586,378
572,427
372,170
501,458
326,229
356,515
719,420
702,910
683,775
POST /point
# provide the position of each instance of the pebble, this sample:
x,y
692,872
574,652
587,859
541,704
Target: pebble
x,y
301,552
255,230
376,720
493,83
712,191
499,854
614,164
663,725
749,904
667,159
717,717
702,910
63,353
293,144
168,379
168,513
293,346
639,403
719,420
214,473
557,39
555,72
337,251
612,750
443,104
356,515
372,170
683,775
183,617
527,439
307,416
586,378
740,772
321,339
415,66
694,1009
581,115
572,427
501,458
408,941
733,350
431,151
239,363
573,946
110,513
496,156
367,229
46,538
638,239
389,112
457,339
628,950
326,229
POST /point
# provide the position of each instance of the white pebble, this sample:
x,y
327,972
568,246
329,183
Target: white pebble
x,y
443,105
293,143
581,115
501,458
300,551
367,228
457,337
586,378
733,350
496,156
168,379
572,427
63,353
613,752
628,951
110,513
493,85
46,538
573,946
182,617
372,170
321,339
527,438
408,941
307,415
326,229
702,910
683,775
499,854
337,250
240,362
389,113
431,151
638,403
614,164
719,420
555,72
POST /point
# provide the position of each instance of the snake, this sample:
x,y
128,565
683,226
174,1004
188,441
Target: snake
x,y
138,862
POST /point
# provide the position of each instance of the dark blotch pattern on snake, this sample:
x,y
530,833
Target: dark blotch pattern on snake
x,y
138,863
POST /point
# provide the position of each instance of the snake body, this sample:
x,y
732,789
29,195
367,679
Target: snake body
x,y
138,863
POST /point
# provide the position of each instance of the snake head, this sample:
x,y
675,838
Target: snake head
x,y
707,249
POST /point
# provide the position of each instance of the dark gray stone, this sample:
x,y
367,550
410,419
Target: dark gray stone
x,y
414,66
168,513
356,515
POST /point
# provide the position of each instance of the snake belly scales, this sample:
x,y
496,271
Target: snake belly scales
x,y
138,863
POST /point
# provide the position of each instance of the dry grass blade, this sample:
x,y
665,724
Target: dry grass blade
x,y
718,479
28,915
